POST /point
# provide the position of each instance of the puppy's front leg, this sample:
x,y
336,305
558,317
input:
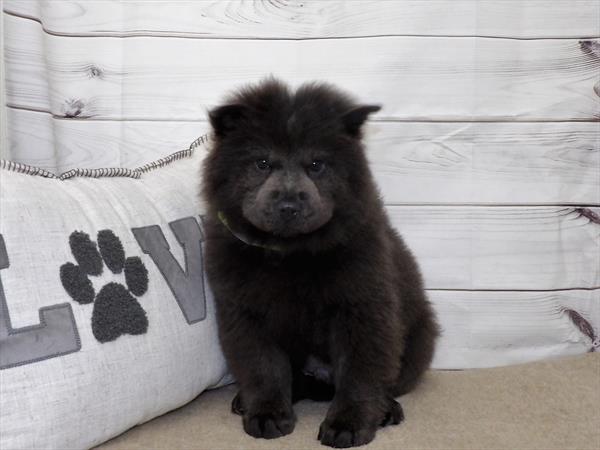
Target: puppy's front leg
x,y
263,373
365,364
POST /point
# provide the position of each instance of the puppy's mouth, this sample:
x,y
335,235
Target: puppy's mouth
x,y
290,227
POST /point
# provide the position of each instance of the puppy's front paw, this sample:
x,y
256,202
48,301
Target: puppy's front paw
x,y
269,425
343,432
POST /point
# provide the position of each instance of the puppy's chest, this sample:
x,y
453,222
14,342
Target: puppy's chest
x,y
298,317
296,301
298,320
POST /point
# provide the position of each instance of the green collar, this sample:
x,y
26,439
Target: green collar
x,y
225,222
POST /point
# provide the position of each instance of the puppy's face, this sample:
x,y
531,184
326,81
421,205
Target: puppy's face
x,y
289,192
286,161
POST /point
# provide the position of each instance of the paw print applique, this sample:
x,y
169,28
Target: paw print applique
x,y
116,309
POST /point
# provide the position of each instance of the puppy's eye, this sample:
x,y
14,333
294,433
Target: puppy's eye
x,y
316,167
263,165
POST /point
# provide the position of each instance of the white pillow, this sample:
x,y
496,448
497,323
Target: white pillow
x,y
89,349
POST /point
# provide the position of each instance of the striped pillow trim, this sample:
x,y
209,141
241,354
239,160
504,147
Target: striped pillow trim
x,y
174,156
105,172
166,160
100,173
24,168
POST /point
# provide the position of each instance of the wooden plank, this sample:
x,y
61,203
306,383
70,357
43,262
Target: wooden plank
x,y
414,78
480,162
487,329
59,145
298,19
4,153
514,248
414,163
31,139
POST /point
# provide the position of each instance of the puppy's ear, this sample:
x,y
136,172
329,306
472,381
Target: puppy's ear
x,y
226,118
354,119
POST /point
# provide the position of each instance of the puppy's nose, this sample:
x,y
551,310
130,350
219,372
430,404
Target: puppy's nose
x,y
288,210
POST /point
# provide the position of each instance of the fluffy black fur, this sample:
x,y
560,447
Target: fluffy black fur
x,y
317,296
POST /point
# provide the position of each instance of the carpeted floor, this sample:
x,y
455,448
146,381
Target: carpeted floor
x,y
545,405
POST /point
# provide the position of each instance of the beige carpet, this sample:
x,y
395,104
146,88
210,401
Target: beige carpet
x,y
547,405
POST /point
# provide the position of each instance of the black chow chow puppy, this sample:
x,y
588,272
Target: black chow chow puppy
x,y
317,296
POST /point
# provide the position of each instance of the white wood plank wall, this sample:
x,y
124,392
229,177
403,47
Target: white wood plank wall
x,y
487,150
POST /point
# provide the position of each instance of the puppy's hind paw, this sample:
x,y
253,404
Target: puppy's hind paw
x,y
236,405
395,414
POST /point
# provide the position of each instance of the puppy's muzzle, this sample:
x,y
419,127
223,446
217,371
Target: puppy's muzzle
x,y
288,210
